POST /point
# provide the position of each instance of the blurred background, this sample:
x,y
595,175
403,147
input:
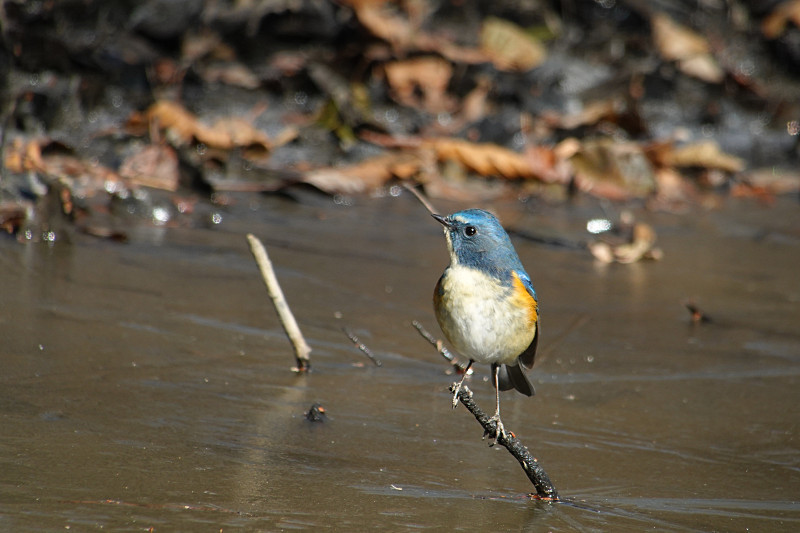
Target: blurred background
x,y
642,155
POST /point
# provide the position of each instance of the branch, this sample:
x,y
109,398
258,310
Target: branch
x,y
301,349
439,345
544,487
361,346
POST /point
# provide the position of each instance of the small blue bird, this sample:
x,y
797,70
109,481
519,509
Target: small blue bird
x,y
485,302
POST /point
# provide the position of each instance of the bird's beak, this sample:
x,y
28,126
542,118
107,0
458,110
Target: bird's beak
x,y
443,220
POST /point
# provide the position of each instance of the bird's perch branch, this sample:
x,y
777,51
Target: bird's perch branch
x,y
301,349
544,487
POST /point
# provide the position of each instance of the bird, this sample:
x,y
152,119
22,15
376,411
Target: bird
x,y
485,303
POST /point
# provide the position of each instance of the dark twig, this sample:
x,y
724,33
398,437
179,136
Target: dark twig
x,y
361,346
544,487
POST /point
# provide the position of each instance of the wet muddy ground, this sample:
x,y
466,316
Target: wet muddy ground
x,y
148,384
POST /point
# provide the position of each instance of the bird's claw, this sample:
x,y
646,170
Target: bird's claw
x,y
499,428
455,395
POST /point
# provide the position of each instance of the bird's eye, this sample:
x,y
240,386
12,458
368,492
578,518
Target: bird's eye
x,y
469,231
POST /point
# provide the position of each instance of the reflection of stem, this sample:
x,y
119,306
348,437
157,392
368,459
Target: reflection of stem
x,y
544,487
301,349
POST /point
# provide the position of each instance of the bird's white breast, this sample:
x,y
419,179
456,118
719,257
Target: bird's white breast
x,y
478,315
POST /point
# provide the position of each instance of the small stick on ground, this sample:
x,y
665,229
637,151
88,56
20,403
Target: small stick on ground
x,y
439,345
536,474
361,346
301,349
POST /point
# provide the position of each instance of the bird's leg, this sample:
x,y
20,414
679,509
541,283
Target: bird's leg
x,y
460,383
496,417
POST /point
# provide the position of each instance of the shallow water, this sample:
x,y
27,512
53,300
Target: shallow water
x,y
148,384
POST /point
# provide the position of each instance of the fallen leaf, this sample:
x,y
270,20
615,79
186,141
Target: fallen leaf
x,y
183,128
365,176
230,73
689,49
676,42
640,246
509,47
591,113
13,216
486,159
425,76
775,23
24,156
704,154
155,166
672,187
380,19
612,169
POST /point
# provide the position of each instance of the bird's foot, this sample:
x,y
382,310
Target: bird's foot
x,y
499,428
456,390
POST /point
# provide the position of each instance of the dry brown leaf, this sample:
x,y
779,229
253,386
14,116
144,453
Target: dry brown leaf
x,y
154,166
198,44
475,104
675,41
230,73
641,246
183,127
644,238
689,49
704,154
775,23
179,122
428,76
484,158
611,169
592,113
365,176
23,156
703,67
672,187
509,47
13,216
383,22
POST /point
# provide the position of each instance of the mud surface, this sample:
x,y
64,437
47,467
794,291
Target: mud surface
x,y
148,384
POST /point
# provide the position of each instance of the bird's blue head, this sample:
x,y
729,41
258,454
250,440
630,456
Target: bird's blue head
x,y
476,239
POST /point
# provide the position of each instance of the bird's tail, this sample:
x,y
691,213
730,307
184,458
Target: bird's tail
x,y
513,377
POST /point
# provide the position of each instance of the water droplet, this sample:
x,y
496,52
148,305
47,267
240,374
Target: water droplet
x,y
391,116
161,215
598,225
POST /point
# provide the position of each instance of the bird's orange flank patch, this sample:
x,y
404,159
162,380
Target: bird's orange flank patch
x,y
525,299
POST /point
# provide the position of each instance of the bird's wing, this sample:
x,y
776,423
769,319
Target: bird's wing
x,y
527,357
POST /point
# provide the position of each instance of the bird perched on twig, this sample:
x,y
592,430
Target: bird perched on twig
x,y
485,302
